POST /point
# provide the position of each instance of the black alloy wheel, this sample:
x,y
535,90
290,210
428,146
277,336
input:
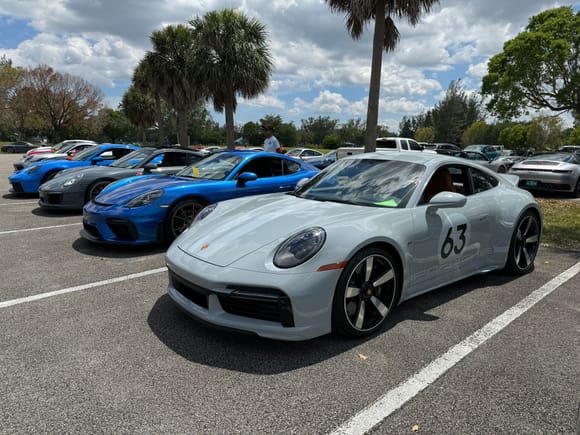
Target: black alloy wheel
x,y
524,244
180,217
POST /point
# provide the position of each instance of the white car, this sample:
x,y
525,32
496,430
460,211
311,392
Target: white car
x,y
339,253
304,153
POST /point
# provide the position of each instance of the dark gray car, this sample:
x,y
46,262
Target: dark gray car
x,y
71,189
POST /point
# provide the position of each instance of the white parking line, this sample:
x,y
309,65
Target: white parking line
x,y
372,415
39,228
38,297
20,202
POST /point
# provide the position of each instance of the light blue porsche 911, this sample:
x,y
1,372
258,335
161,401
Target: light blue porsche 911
x,y
340,252
157,208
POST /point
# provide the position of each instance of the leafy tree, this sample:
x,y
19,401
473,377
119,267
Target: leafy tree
x,y
425,134
252,132
10,82
331,141
232,60
386,36
115,127
352,131
515,136
406,127
287,135
545,132
170,66
539,68
273,120
319,128
139,108
61,101
574,136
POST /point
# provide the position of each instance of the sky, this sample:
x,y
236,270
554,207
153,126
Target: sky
x,y
318,69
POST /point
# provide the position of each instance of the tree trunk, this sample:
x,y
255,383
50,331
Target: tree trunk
x,y
183,137
229,109
375,84
160,122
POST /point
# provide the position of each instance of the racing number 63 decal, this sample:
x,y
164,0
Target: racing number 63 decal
x,y
449,244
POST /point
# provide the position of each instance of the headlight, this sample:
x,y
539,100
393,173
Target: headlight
x,y
300,247
144,199
33,169
73,180
204,212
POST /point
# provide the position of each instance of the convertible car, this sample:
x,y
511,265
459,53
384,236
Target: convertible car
x,y
73,188
29,180
157,208
342,250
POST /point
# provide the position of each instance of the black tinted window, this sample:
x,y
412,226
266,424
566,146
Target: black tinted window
x,y
482,181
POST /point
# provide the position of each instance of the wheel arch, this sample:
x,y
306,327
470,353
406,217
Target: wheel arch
x,y
98,180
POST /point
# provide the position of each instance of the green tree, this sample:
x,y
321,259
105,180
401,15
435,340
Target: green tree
x,y
139,109
425,134
252,132
233,60
515,136
331,142
319,128
352,131
539,68
287,135
574,136
115,127
545,132
172,61
386,36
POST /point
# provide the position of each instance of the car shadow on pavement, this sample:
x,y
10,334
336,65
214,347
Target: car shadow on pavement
x,y
20,196
47,212
85,247
248,353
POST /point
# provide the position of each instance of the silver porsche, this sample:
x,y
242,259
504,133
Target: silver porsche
x,y
347,246
556,172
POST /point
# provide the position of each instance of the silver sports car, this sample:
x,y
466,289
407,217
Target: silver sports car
x,y
340,252
557,172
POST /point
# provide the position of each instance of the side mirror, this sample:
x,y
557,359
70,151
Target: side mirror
x,y
244,177
149,167
446,200
96,160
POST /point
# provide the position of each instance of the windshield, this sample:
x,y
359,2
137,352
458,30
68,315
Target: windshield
x,y
132,160
84,154
215,167
295,152
369,182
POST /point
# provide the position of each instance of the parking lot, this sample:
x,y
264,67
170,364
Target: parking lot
x,y
91,343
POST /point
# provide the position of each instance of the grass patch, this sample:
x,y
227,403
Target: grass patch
x,y
561,223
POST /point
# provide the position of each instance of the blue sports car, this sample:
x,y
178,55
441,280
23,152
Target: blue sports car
x,y
157,208
29,180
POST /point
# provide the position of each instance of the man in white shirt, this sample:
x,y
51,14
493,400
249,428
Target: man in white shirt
x,y
271,144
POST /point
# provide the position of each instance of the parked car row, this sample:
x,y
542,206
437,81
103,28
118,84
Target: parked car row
x,y
267,244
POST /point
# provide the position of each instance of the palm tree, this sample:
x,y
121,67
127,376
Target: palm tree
x,y
172,63
233,59
139,108
148,82
386,36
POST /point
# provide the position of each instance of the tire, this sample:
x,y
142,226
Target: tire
x,y
524,244
96,188
180,217
366,293
502,170
9,150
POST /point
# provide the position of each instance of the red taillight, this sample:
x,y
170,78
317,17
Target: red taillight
x,y
139,173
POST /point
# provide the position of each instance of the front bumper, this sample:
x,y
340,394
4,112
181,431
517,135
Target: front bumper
x,y
282,306
69,200
20,184
119,225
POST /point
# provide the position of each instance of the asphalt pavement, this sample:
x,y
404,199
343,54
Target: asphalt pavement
x,y
91,343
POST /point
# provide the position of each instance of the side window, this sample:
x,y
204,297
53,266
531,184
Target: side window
x,y
309,153
404,145
482,181
107,155
173,159
262,167
414,145
290,167
391,144
117,153
190,159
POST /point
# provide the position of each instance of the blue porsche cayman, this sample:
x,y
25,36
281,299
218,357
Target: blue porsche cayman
x,y
29,180
157,208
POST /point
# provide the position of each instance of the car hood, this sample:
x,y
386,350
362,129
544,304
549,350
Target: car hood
x,y
241,226
136,186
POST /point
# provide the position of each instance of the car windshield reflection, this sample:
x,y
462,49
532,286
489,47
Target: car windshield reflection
x,y
215,167
367,182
